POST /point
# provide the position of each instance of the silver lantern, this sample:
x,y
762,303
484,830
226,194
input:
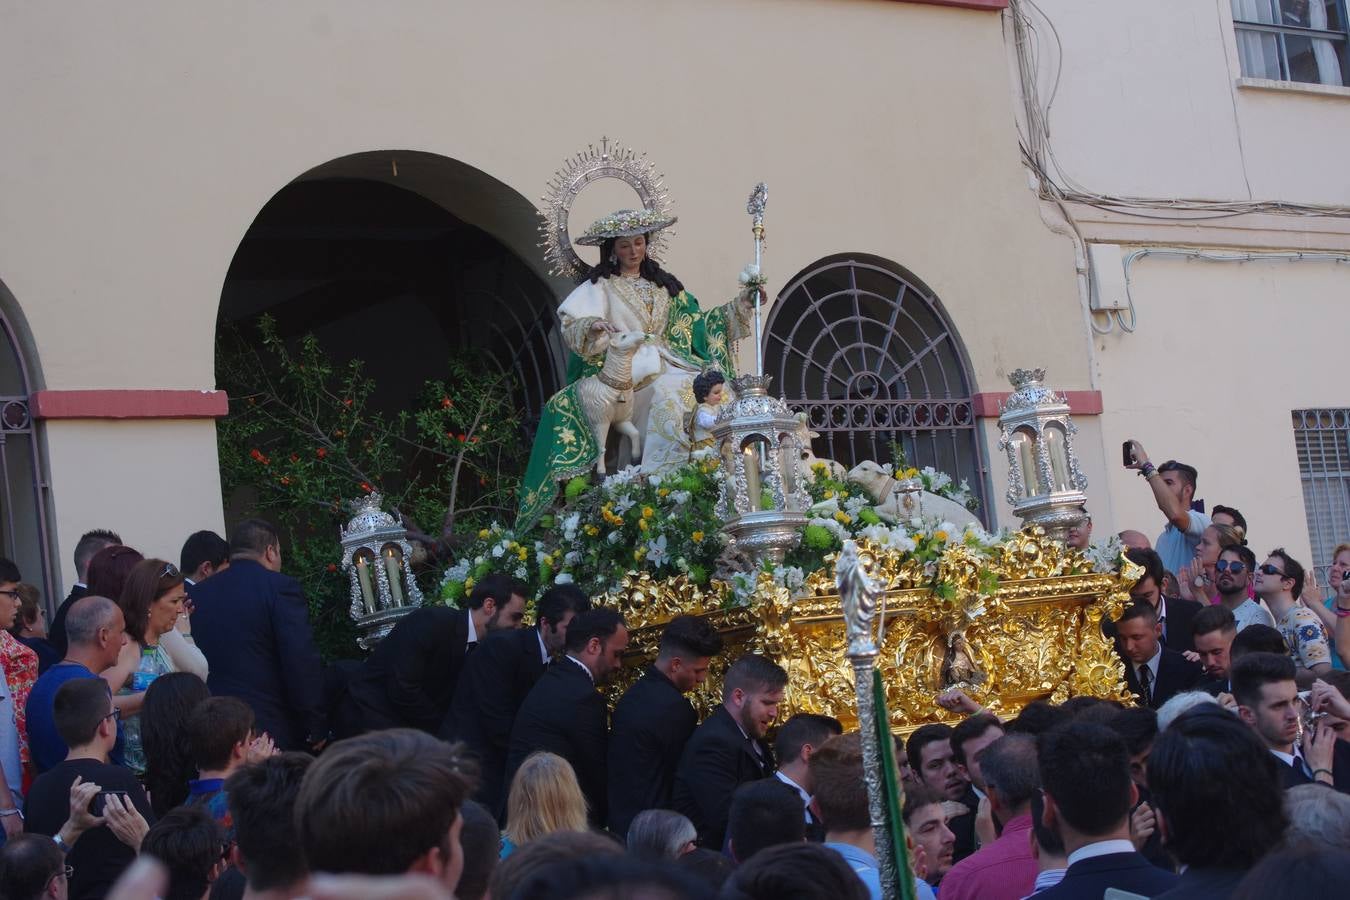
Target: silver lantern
x,y
377,558
1045,485
763,500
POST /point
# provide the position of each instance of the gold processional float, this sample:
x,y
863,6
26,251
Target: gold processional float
x,y
1009,620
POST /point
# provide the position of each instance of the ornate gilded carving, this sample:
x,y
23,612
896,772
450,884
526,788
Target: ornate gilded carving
x,y
1034,634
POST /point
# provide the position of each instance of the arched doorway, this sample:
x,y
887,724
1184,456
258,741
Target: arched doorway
x,y
866,350
24,536
388,257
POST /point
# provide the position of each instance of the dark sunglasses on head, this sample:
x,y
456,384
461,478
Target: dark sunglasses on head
x,y
1229,565
169,571
1268,569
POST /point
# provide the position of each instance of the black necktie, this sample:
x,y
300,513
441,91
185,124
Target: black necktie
x,y
1146,683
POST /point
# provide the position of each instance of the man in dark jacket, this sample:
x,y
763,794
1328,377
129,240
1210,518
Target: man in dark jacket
x,y
565,713
85,550
497,678
1155,673
653,721
252,623
1085,774
409,680
729,749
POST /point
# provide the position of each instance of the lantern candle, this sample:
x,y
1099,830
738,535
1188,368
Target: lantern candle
x,y
367,592
754,491
391,568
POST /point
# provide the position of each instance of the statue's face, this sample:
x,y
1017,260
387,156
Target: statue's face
x,y
715,394
630,251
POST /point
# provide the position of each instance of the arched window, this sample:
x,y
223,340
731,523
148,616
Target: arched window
x,y
865,349
24,537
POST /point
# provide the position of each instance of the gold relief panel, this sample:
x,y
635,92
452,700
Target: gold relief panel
x,y
1037,635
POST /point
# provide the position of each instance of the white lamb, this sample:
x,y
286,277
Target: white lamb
x,y
607,396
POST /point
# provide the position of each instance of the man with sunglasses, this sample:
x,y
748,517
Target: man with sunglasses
x,y
1232,573
1279,581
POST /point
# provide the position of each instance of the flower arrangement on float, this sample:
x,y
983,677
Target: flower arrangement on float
x,y
665,525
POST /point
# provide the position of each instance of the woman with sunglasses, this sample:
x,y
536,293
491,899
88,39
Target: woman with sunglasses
x,y
152,600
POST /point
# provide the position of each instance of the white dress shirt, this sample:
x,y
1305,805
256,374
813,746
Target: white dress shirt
x,y
1100,848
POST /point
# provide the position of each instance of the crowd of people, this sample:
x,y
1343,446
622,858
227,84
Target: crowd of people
x,y
174,734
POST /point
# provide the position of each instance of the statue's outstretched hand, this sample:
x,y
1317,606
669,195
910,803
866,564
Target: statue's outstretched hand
x,y
600,325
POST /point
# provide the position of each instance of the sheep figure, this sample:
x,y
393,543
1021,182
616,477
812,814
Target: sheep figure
x,y
607,396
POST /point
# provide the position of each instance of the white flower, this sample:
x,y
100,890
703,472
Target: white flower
x,y
540,557
854,505
750,274
497,551
563,578
825,508
626,475
458,572
656,551
680,497
654,479
570,524
572,557
520,572
613,537
624,504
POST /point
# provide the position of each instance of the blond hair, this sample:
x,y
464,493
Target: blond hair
x,y
545,797
1229,535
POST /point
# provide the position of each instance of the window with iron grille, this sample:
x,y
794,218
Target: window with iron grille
x,y
1322,439
1293,40
866,351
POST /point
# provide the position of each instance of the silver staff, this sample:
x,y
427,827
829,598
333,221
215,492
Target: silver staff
x,y
755,207
859,598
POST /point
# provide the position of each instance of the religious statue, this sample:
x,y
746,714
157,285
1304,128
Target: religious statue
x,y
629,291
709,392
607,396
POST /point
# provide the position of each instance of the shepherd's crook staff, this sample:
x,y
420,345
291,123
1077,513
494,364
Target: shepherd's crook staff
x,y
859,598
755,207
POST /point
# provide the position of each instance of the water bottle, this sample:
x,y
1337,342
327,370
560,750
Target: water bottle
x,y
146,672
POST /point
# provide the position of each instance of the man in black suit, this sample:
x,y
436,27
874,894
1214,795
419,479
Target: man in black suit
x,y
1214,629
1217,799
795,746
252,624
204,554
653,721
1153,672
566,714
409,679
729,749
497,678
1085,774
1268,701
1174,614
85,549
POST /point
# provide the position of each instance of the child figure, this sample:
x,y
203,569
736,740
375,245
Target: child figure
x,y
709,388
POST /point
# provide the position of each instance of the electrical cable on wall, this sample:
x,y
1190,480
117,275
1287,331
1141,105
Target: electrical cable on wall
x,y
1038,153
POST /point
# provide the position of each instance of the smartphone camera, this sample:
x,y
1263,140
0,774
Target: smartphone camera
x,y
1127,453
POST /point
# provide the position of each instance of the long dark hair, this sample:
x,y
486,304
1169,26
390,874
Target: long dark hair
x,y
649,270
168,758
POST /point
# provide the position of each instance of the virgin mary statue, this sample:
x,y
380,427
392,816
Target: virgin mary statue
x,y
629,291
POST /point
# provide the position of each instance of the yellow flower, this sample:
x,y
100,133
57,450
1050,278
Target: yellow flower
x,y
663,492
843,495
940,536
647,512
642,523
523,554
484,534
818,468
843,517
468,584
697,536
592,530
829,495
639,553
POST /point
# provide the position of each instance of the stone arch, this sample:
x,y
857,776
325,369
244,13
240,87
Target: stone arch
x,y
25,535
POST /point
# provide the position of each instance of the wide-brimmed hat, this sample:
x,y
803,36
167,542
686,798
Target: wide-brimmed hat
x,y
624,223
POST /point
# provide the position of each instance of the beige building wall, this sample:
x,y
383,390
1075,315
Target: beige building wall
x,y
1151,104
143,139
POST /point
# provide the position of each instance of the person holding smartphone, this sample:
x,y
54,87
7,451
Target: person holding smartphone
x,y
1173,486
